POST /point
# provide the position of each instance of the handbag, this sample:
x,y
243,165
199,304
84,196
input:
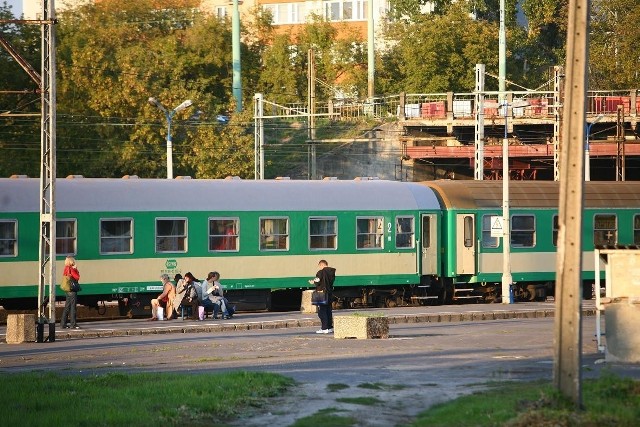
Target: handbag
x,y
66,284
319,298
75,286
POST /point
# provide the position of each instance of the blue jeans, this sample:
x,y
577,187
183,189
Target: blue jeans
x,y
215,306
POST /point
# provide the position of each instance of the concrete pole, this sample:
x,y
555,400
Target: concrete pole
x,y
502,54
371,57
237,75
507,279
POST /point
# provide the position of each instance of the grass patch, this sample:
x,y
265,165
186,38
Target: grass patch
x,y
325,418
147,399
382,386
368,314
608,401
367,401
336,387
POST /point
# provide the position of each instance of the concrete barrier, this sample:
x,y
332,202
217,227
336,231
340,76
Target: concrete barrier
x,y
360,327
21,328
622,317
305,304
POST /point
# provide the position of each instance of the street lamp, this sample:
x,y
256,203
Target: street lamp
x,y
587,157
169,115
507,279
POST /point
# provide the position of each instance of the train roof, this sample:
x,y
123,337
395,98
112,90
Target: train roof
x,y
533,194
109,194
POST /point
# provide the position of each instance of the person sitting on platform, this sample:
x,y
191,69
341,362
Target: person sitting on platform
x,y
187,294
213,297
164,300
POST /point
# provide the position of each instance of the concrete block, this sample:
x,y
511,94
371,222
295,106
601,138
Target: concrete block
x,y
360,327
622,334
21,328
305,304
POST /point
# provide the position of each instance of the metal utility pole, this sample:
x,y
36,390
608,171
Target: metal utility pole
x,y
558,96
568,321
502,54
311,109
47,245
479,131
371,57
258,117
620,138
237,74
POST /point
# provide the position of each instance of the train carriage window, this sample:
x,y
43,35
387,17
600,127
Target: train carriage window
x,y
605,230
116,236
468,232
556,226
636,230
370,232
66,237
223,234
404,232
523,231
8,238
171,235
487,240
323,233
274,234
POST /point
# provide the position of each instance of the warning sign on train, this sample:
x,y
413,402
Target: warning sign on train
x,y
496,226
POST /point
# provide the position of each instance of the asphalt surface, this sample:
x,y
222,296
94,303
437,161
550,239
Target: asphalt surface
x,y
433,354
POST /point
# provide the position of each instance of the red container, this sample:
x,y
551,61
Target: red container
x,y
433,110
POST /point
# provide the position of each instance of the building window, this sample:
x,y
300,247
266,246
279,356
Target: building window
x,y
345,10
171,235
8,238
370,232
523,231
66,237
323,233
605,230
116,236
404,232
286,13
223,234
221,12
487,240
274,234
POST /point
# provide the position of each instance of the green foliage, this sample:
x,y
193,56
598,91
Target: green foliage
x,y
325,418
36,399
337,387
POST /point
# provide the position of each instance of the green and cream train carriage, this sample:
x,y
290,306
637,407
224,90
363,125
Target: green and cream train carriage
x,y
472,258
264,237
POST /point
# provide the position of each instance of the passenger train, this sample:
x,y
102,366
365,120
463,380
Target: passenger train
x,y
392,243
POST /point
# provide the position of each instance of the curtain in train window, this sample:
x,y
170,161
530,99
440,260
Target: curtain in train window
x,y
8,238
404,232
487,240
523,231
605,230
116,236
323,233
370,233
66,237
274,234
223,234
171,235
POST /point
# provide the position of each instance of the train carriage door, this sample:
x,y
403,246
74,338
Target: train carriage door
x,y
429,244
465,244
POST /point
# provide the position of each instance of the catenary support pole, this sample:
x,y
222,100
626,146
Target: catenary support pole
x,y
237,74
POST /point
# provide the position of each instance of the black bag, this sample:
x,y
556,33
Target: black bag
x,y
75,286
319,298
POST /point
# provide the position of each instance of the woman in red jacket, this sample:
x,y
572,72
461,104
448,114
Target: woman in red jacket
x,y
70,270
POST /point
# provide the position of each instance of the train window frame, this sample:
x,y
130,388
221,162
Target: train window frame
x,y
323,236
226,238
528,233
555,227
73,238
636,229
378,234
403,235
596,231
276,237
488,241
179,238
128,237
8,241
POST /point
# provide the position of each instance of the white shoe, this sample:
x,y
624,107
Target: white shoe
x,y
329,331
322,331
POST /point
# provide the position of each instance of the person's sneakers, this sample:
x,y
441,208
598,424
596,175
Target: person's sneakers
x,y
76,327
330,330
65,327
323,331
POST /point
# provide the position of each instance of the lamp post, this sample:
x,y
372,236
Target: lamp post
x,y
507,279
587,157
169,115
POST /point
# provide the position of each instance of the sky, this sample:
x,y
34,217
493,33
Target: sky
x,y
16,7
